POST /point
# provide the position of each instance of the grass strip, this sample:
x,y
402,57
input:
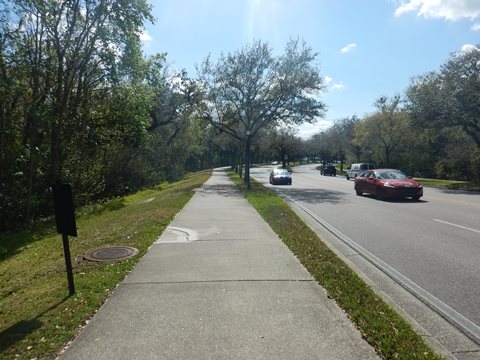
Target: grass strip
x,y
390,335
450,184
37,318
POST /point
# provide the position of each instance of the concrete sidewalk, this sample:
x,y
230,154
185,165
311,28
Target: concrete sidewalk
x,y
219,284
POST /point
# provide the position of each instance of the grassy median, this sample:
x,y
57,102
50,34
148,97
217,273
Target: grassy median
x,y
37,316
450,184
390,335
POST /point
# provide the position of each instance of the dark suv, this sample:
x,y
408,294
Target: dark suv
x,y
328,170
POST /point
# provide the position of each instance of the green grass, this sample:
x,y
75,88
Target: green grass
x,y
37,318
390,335
450,184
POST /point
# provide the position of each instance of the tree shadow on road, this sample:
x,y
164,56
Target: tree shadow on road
x,y
314,196
452,190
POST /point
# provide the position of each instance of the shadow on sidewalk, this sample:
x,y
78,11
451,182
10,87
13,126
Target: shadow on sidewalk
x,y
225,190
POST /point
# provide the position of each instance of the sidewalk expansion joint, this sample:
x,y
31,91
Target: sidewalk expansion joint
x,y
216,281
238,239
466,352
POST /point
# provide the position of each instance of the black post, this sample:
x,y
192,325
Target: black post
x,y
68,263
66,225
247,160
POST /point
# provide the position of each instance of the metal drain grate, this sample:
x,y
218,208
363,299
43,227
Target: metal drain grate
x,y
111,253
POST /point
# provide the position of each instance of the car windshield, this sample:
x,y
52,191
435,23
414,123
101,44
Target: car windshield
x,y
391,175
281,172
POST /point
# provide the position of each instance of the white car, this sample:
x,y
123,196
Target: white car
x,y
356,169
280,176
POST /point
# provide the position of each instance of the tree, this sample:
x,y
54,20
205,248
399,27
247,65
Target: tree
x,y
250,90
60,61
320,145
336,142
284,144
450,97
73,50
345,130
385,130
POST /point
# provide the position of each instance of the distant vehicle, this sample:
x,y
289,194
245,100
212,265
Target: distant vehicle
x,y
328,170
354,170
280,176
388,184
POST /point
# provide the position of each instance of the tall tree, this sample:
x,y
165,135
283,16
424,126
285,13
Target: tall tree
x,y
284,143
321,146
450,97
250,90
73,49
385,130
59,61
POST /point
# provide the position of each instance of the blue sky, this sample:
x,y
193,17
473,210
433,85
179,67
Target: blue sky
x,y
367,48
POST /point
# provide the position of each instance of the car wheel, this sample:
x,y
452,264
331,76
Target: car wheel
x,y
415,198
359,193
348,178
378,194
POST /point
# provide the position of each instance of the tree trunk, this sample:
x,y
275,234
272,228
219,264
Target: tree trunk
x,y
247,162
55,149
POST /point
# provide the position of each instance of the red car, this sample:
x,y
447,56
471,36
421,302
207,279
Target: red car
x,y
388,183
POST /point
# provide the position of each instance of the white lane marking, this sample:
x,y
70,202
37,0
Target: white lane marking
x,y
459,226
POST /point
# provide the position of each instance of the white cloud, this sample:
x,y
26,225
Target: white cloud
x,y
328,79
348,48
145,36
405,8
339,86
476,27
468,48
453,10
307,130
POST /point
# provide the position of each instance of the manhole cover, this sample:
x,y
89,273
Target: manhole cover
x,y
111,253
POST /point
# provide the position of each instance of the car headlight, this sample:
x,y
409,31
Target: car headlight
x,y
387,184
420,186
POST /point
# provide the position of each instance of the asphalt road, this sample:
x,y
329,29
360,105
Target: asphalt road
x,y
434,242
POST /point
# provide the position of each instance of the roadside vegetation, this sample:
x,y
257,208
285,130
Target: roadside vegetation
x,y
450,184
80,103
390,335
37,316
